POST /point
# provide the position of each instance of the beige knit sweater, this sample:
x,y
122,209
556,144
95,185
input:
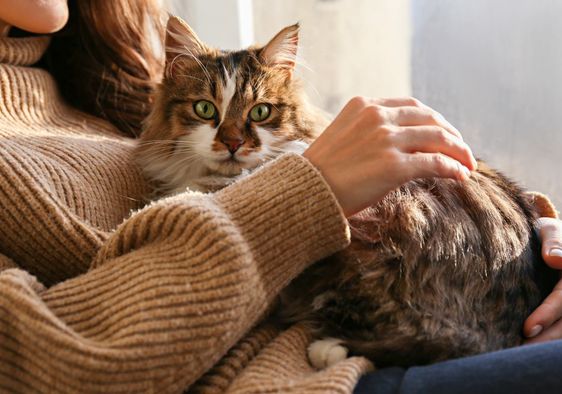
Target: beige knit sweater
x,y
94,298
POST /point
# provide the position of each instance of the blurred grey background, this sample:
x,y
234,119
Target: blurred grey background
x,y
492,68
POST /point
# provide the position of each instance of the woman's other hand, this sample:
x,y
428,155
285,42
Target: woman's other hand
x,y
375,145
545,323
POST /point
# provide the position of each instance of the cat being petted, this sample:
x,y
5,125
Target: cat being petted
x,y
218,114
438,269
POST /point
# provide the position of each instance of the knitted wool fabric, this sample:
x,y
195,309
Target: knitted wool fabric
x,y
94,298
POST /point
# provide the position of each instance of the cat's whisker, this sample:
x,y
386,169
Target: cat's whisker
x,y
159,151
185,154
158,141
301,62
310,85
155,142
276,150
193,157
185,162
274,106
190,54
190,77
165,143
201,65
158,147
185,143
186,151
284,148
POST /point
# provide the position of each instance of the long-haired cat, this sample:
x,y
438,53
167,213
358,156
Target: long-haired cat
x,y
438,269
220,113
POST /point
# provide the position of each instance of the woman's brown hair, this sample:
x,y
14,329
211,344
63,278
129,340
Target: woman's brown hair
x,y
108,59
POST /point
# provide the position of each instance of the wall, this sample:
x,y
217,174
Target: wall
x,y
494,69
351,47
225,24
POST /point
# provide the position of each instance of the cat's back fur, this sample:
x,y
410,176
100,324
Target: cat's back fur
x,y
439,269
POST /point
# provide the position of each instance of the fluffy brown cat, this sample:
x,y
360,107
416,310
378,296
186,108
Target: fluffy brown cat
x,y
438,269
218,114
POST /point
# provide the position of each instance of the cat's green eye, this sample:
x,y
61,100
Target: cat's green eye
x,y
260,112
205,109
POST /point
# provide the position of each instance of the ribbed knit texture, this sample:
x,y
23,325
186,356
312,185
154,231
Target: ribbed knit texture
x,y
99,295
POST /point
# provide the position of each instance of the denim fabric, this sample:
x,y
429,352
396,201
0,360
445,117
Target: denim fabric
x,y
534,369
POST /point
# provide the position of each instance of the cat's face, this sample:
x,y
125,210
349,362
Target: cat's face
x,y
222,112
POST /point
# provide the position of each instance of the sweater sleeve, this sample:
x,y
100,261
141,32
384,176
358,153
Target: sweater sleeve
x,y
172,289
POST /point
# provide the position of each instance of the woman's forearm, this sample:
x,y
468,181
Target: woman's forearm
x,y
173,288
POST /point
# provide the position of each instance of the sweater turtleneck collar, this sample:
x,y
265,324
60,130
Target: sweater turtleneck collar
x,y
22,51
28,95
30,102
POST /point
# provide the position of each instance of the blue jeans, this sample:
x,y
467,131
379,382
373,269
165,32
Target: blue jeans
x,y
532,369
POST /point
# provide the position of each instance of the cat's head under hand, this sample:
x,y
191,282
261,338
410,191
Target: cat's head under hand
x,y
220,112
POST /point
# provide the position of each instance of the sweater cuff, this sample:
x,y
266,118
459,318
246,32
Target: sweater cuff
x,y
288,215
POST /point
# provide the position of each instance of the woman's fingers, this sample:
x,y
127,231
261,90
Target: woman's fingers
x,y
545,322
552,333
539,325
411,112
398,102
430,165
435,139
420,116
550,233
371,148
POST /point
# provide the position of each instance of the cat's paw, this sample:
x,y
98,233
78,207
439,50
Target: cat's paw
x,y
326,352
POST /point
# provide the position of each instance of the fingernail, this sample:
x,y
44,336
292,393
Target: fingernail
x,y
466,171
555,252
536,330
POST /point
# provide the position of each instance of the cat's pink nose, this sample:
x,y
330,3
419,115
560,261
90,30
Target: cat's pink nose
x,y
233,144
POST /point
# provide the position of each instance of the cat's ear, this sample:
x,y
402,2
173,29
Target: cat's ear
x,y
281,51
181,40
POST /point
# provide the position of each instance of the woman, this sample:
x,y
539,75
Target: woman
x,y
91,301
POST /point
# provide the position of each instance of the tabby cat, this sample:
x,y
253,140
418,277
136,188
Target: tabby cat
x,y
438,269
219,114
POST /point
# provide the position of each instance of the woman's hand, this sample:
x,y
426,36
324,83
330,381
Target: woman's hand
x,y
545,323
374,146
